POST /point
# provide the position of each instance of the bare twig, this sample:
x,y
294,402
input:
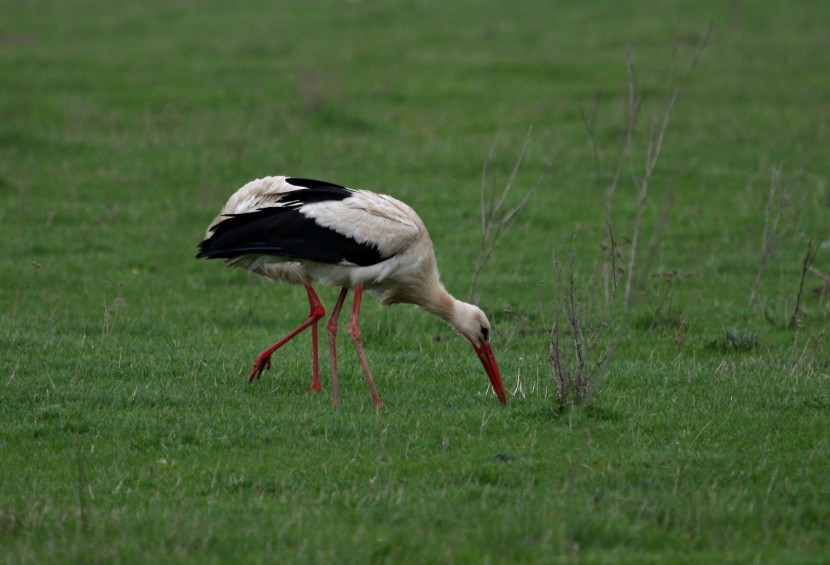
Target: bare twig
x,y
823,290
495,218
578,351
818,273
590,127
782,220
657,133
660,227
809,257
632,111
609,267
656,137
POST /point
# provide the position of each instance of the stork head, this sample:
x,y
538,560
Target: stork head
x,y
471,322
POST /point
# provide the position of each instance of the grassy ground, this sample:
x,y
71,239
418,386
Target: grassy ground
x,y
127,432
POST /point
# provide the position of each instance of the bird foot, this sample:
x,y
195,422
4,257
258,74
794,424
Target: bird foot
x,y
315,387
263,362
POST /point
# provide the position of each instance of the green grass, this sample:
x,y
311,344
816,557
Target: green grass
x,y
128,433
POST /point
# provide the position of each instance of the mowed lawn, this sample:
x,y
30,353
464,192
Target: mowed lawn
x,y
127,432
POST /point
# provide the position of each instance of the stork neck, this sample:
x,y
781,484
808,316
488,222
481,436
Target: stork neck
x,y
440,303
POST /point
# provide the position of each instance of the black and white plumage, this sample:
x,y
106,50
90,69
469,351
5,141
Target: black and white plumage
x,y
300,231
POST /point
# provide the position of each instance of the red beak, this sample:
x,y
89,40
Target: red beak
x,y
485,353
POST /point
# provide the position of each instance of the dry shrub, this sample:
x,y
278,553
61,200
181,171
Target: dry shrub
x,y
580,346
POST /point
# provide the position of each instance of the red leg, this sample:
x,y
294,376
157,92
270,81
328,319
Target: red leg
x,y
315,360
317,312
331,326
354,331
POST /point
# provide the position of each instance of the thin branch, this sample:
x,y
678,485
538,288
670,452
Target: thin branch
x,y
809,257
780,207
580,360
494,217
609,267
633,110
653,152
818,273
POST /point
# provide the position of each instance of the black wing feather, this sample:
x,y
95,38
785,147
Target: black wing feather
x,y
319,189
283,231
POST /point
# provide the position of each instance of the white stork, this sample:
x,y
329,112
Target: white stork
x,y
299,230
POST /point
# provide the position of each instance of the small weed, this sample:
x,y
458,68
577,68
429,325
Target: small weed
x,y
579,350
663,313
734,339
798,311
653,150
782,226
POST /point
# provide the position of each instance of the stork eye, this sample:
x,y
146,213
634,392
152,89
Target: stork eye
x,y
485,333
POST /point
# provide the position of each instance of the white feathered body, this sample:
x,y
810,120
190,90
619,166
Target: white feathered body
x,y
392,227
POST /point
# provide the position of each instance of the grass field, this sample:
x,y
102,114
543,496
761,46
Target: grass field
x,y
127,432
